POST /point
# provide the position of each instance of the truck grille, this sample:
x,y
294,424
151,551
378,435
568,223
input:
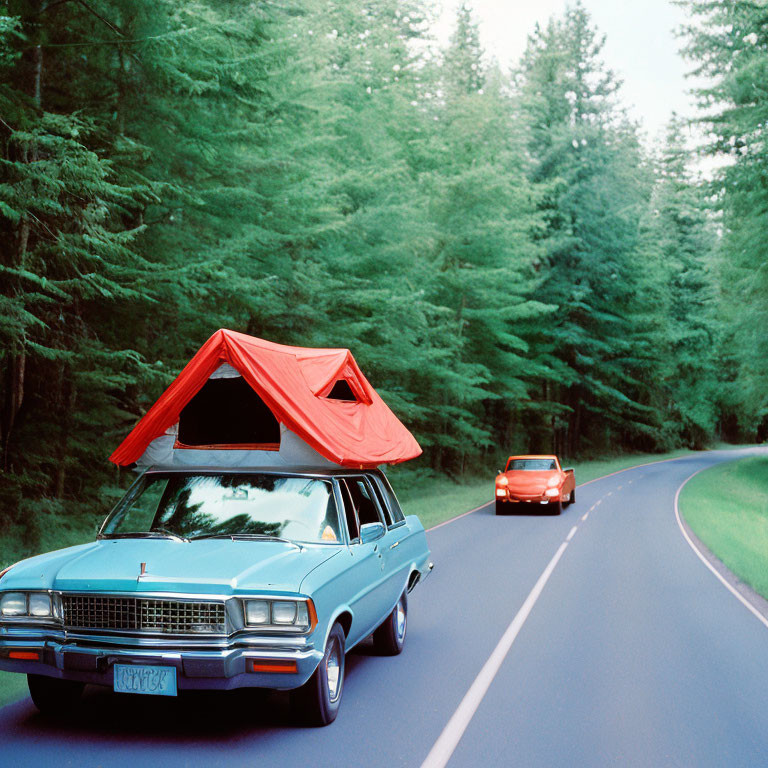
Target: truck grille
x,y
132,614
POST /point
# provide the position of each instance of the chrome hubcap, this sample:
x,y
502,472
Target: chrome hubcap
x,y
333,672
400,621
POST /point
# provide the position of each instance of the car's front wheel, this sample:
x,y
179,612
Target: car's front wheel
x,y
389,638
53,696
555,507
317,701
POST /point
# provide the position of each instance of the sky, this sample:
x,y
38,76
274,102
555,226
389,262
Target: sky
x,y
640,46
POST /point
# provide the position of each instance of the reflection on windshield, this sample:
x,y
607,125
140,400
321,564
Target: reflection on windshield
x,y
532,464
294,508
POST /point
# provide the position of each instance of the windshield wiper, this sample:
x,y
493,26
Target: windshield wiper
x,y
246,537
166,532
157,533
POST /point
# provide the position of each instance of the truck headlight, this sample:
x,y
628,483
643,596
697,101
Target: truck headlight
x,y
292,615
13,604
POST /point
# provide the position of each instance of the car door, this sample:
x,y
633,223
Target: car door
x,y
361,585
398,544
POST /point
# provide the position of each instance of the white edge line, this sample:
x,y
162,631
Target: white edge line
x,y
706,562
446,743
458,517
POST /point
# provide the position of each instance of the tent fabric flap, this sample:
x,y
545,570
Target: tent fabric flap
x,y
294,383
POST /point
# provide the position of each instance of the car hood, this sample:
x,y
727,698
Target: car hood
x,y
528,481
198,567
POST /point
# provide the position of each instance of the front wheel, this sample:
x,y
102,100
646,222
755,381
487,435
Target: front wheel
x,y
501,507
555,507
317,701
389,638
53,696
573,497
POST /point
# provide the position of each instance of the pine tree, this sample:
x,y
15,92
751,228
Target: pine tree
x,y
728,44
586,156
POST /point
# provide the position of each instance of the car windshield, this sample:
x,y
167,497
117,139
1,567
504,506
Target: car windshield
x,y
223,505
531,464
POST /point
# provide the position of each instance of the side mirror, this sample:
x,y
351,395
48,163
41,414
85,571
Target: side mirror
x,y
371,532
499,471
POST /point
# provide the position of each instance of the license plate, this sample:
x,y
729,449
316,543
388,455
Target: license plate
x,y
142,678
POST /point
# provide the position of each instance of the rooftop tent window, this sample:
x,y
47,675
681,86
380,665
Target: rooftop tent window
x,y
227,412
341,391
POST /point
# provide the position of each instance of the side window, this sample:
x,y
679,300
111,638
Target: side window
x,y
380,498
349,511
391,503
363,501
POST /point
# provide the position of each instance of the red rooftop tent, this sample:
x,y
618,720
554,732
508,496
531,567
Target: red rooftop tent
x,y
243,401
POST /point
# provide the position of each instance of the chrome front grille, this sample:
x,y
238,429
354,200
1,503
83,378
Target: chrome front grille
x,y
139,614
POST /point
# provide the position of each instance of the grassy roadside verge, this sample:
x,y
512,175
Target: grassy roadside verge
x,y
436,500
727,508
13,687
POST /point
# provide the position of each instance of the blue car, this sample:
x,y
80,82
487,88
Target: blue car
x,y
219,579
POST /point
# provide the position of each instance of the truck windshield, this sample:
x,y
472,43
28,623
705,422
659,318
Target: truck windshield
x,y
227,505
534,464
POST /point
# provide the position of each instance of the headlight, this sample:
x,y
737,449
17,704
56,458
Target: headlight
x,y
13,604
555,480
293,615
36,605
40,604
256,612
552,492
284,612
502,480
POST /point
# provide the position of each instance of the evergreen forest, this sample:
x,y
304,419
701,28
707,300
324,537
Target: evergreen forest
x,y
514,266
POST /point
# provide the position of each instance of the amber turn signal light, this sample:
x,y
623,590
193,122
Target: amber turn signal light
x,y
276,665
24,655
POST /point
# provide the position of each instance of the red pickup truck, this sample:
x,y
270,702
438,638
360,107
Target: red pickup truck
x,y
534,480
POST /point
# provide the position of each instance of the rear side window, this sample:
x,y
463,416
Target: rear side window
x,y
361,498
353,526
390,500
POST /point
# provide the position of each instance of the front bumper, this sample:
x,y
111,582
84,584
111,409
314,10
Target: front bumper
x,y
197,668
527,498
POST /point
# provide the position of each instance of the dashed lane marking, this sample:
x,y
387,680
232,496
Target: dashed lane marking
x,y
586,515
570,535
446,743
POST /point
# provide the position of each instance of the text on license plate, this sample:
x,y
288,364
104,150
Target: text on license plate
x,y
142,678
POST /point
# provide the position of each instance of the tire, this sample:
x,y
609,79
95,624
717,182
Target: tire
x,y
53,696
573,497
317,702
555,507
389,638
501,507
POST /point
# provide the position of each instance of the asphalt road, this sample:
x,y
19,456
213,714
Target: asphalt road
x,y
633,654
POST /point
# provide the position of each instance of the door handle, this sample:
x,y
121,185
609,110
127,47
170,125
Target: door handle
x,y
396,544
